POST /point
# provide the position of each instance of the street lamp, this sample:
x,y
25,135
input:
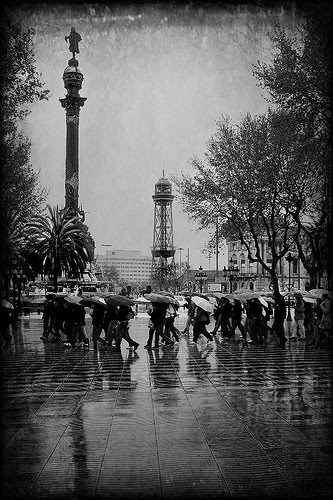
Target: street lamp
x,y
180,260
231,272
289,259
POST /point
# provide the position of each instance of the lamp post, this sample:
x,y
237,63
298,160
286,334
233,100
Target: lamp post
x,y
231,272
180,260
289,259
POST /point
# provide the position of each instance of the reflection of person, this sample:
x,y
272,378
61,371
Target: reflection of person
x,y
74,38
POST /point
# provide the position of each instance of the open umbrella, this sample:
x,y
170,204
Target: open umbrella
x,y
202,303
118,300
73,299
157,298
244,296
318,292
263,301
89,301
5,304
141,300
39,300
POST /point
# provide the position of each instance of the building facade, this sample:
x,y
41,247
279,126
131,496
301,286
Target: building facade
x,y
131,265
252,275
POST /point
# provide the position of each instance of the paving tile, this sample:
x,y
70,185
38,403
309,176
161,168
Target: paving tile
x,y
189,422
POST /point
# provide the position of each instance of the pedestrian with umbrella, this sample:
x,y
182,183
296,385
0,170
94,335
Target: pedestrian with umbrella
x,y
236,319
160,304
222,318
97,316
325,326
280,314
201,318
190,315
125,313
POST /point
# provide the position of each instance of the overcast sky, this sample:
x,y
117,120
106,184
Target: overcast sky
x,y
156,81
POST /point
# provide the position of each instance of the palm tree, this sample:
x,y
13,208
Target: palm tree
x,y
59,244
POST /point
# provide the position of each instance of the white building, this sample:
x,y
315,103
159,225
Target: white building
x,y
131,265
252,275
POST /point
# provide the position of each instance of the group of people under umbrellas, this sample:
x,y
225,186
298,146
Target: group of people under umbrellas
x,y
229,310
66,314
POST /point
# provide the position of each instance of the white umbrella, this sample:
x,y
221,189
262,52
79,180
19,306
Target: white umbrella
x,y
308,299
202,303
263,301
141,300
318,292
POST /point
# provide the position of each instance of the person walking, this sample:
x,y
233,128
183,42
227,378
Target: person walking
x,y
48,318
125,313
299,319
200,320
190,315
255,325
280,313
309,318
223,314
79,332
325,326
236,319
151,331
318,314
110,323
170,316
97,316
158,319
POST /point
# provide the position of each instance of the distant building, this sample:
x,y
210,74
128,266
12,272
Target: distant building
x,y
253,276
131,265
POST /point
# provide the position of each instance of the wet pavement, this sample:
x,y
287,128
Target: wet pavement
x,y
187,422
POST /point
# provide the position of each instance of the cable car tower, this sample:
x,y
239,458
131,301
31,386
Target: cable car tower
x,y
163,248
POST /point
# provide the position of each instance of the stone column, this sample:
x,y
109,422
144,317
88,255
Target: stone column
x,y
72,102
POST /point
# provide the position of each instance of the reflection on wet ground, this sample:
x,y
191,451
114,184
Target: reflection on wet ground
x,y
192,421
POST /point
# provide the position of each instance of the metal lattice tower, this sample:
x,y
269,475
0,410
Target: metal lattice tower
x,y
163,248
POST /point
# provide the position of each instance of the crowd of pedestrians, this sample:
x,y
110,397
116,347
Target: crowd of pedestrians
x,y
254,319
257,318
110,324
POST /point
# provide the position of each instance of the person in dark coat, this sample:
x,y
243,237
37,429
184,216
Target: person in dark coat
x,y
158,318
280,313
222,318
97,316
255,315
110,323
200,320
125,313
236,319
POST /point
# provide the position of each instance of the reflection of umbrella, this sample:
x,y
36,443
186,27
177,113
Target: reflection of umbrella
x,y
87,302
118,300
73,299
202,303
157,298
39,300
318,292
6,304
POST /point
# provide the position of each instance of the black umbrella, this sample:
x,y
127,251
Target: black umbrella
x,y
118,300
97,301
158,298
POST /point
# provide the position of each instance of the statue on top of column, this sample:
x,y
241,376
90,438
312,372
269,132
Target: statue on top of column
x,y
74,38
